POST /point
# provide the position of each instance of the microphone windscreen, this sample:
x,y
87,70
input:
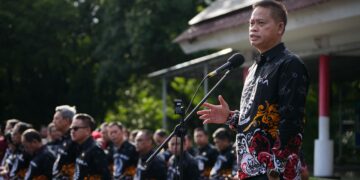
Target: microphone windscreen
x,y
236,60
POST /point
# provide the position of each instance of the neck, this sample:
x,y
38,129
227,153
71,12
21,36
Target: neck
x,y
118,144
38,147
202,146
65,130
144,153
83,140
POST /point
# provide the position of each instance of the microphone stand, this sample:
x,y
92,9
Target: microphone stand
x,y
182,123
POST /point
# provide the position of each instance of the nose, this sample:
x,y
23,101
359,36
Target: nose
x,y
252,28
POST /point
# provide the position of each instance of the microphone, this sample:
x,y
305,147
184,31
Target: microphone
x,y
233,62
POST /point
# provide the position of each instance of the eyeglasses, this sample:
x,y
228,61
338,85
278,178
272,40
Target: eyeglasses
x,y
75,128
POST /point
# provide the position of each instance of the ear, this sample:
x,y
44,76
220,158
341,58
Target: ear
x,y
281,28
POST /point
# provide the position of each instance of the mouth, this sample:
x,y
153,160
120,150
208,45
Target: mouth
x,y
253,37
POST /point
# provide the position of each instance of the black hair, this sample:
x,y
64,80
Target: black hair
x,y
87,119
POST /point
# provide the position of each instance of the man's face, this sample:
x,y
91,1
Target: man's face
x,y
200,138
116,134
8,128
105,134
29,147
142,143
221,144
16,137
79,131
54,134
43,132
264,31
187,142
158,139
59,121
174,145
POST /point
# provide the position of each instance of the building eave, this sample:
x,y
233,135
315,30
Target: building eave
x,y
232,19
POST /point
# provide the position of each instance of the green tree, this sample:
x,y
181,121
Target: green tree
x,y
45,59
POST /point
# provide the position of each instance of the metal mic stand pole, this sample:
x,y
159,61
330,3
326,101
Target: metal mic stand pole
x,y
180,131
158,149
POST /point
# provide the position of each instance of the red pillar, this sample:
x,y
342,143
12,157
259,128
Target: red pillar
x,y
324,146
324,85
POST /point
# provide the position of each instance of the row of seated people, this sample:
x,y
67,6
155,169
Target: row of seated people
x,y
83,153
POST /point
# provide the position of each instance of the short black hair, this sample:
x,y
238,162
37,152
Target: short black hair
x,y
20,127
278,9
87,119
148,134
222,134
104,125
161,133
31,135
117,124
202,130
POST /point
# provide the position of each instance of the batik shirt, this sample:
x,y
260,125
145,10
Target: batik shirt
x,y
40,167
91,162
64,165
156,169
21,161
224,165
125,161
206,157
189,165
270,118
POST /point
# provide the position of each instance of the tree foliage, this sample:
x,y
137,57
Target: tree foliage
x,y
82,52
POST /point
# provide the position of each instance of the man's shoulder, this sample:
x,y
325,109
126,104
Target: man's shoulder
x,y
129,146
291,57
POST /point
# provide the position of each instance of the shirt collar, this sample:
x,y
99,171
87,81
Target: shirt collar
x,y
270,54
86,143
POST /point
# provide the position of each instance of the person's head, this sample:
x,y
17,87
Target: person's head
x,y
222,139
188,142
18,130
116,133
53,133
81,127
267,24
104,132
10,123
174,145
201,137
31,141
63,117
159,136
43,131
133,134
143,142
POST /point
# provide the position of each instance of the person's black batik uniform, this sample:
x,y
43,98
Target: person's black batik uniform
x,y
224,165
206,158
91,162
20,163
109,153
192,151
8,160
190,168
124,161
64,165
41,165
165,155
155,170
53,146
